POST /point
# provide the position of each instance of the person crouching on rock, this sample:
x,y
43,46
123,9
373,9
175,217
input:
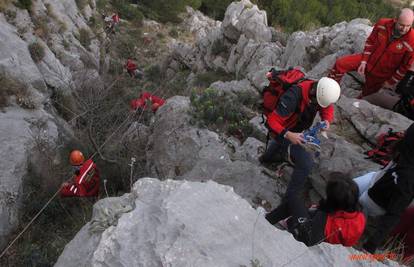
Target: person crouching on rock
x,y
387,193
145,101
337,220
85,180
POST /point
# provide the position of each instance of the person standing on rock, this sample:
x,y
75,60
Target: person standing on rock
x,y
388,54
85,180
337,219
387,193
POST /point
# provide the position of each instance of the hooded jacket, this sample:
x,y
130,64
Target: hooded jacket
x,y
394,191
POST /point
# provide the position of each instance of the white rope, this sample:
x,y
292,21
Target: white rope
x,y
28,225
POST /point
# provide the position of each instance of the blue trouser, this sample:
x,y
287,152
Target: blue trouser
x,y
293,202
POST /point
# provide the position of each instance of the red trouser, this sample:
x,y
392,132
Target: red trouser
x,y
351,63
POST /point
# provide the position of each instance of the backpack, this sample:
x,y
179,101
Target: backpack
x,y
279,82
405,88
386,142
344,228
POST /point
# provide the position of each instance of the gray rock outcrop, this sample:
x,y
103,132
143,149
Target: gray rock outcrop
x,y
181,223
18,140
54,25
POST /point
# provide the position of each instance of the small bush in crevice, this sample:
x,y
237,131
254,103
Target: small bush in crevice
x,y
24,4
153,73
84,38
42,29
11,87
173,33
64,103
218,111
81,4
207,78
37,51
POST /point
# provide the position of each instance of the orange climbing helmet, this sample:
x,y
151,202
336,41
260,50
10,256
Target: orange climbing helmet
x,y
76,158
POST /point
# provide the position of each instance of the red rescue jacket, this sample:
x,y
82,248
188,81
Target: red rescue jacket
x,y
344,227
130,65
115,18
278,123
141,102
387,58
85,184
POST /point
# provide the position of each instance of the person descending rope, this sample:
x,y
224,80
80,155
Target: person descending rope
x,y
85,180
147,100
111,22
337,219
133,70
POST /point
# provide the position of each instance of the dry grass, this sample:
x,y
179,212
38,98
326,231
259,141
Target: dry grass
x,y
12,88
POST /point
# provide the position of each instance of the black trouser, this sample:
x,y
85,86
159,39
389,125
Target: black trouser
x,y
293,203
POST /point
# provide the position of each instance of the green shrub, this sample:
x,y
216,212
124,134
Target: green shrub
x,y
81,4
64,103
24,4
216,110
153,73
310,14
215,8
207,78
166,11
127,11
84,37
37,51
10,14
173,33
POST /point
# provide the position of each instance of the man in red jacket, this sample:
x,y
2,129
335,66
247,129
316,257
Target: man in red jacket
x,y
387,55
295,112
85,180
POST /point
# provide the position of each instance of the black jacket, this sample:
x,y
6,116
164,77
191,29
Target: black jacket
x,y
394,191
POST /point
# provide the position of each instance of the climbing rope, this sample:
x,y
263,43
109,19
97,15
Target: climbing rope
x,y
28,225
96,152
57,192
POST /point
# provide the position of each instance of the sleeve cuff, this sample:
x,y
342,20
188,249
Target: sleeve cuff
x,y
283,133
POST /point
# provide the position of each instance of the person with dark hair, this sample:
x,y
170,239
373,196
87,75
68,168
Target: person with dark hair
x,y
337,220
387,193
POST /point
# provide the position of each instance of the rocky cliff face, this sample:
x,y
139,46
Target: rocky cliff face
x,y
201,223
55,26
181,223
194,222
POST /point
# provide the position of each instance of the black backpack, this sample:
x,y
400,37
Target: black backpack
x,y
405,88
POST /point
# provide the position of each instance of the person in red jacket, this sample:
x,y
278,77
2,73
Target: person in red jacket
x,y
132,69
115,18
295,112
85,180
338,219
147,100
387,55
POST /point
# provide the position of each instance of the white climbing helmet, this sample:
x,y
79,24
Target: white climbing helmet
x,y
327,92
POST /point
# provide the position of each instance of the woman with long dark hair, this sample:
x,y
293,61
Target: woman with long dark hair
x,y
337,220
